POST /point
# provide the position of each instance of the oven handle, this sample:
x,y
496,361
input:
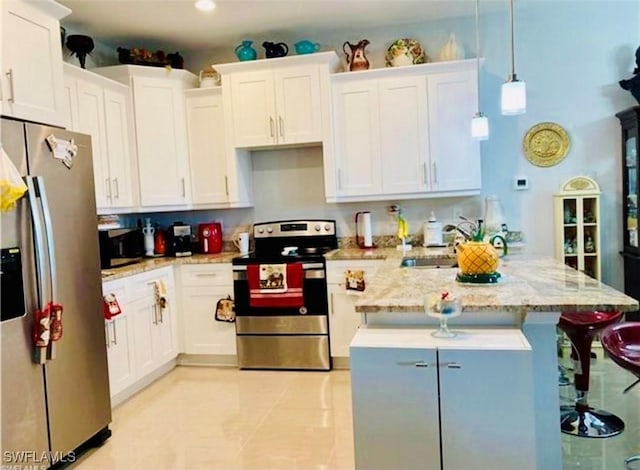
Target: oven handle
x,y
241,274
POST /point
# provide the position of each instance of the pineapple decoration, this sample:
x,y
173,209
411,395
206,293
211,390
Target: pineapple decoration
x,y
479,257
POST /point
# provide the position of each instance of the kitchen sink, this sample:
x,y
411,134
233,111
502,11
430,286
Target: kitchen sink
x,y
429,263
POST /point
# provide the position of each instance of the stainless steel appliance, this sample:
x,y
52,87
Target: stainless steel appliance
x,y
50,253
287,329
120,247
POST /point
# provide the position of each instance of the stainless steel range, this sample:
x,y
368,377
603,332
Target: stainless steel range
x,y
280,294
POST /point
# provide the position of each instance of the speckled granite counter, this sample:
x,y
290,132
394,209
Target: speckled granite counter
x,y
528,284
384,253
155,263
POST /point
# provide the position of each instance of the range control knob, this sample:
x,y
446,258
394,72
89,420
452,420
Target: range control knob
x,y
269,230
317,228
327,227
260,230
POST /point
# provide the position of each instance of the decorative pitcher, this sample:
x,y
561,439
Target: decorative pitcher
x,y
275,49
357,60
480,257
306,47
245,52
451,50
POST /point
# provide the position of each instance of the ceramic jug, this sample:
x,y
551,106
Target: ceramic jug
x,y
306,47
275,49
357,60
245,52
480,257
451,50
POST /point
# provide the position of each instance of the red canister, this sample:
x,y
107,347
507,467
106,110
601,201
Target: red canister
x,y
210,237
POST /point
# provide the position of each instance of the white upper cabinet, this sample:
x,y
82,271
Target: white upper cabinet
x,y
31,80
101,107
278,101
207,157
161,132
403,132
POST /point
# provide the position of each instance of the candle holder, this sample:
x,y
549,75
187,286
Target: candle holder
x,y
443,307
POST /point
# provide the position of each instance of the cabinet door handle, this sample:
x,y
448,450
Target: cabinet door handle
x,y
107,335
161,314
184,189
413,363
435,172
11,98
155,314
339,179
116,190
424,173
331,303
226,185
115,335
281,126
453,365
107,187
271,126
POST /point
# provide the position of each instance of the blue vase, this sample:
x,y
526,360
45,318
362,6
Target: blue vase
x,y
245,52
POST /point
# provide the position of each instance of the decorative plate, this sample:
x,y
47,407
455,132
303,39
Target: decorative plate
x,y
404,52
546,144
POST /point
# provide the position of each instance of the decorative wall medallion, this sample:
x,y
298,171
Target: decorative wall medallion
x,y
546,144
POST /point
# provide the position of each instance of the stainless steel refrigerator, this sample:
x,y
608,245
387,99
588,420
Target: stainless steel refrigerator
x,y
50,253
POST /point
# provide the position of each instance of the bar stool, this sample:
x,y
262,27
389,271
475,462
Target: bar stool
x,y
580,419
622,343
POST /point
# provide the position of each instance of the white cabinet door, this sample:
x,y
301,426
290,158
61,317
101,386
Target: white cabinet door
x,y
404,140
253,108
207,152
122,372
395,409
161,141
91,121
202,333
32,81
144,321
357,138
117,113
70,103
164,339
479,410
455,156
343,319
297,91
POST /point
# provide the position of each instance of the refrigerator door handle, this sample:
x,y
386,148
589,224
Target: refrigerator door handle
x,y
38,231
48,226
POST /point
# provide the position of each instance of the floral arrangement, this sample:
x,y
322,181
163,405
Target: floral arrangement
x,y
142,56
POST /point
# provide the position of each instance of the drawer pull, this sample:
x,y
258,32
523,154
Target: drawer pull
x,y
12,96
413,363
453,365
206,275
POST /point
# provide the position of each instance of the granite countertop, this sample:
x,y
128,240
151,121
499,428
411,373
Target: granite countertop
x,y
150,264
384,253
528,283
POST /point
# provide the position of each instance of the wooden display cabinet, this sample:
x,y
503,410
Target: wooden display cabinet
x,y
577,216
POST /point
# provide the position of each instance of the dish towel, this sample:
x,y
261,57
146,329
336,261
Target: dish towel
x,y
275,285
12,187
161,293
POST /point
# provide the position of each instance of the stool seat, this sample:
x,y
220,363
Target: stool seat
x,y
622,343
582,420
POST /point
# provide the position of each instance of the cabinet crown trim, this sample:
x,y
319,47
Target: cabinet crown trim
x,y
330,58
407,70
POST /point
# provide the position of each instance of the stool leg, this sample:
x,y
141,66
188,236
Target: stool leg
x,y
581,420
563,380
628,464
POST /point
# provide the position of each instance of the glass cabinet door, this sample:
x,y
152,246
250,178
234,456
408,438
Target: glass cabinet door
x,y
630,190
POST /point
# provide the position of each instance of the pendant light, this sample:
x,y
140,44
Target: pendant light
x,y
205,5
514,92
479,123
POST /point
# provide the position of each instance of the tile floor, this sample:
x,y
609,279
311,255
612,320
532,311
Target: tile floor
x,y
200,418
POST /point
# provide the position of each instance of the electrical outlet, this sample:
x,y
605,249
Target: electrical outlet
x,y
457,212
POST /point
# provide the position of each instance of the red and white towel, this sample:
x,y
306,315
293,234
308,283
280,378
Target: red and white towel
x,y
275,285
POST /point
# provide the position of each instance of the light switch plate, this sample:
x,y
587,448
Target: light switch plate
x,y
520,183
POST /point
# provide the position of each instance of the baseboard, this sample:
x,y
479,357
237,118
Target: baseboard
x,y
141,384
341,363
204,360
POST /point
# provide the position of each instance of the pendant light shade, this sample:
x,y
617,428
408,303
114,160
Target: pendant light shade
x,y
479,127
205,5
513,98
479,123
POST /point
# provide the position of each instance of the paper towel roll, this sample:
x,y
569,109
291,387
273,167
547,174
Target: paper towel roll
x,y
368,236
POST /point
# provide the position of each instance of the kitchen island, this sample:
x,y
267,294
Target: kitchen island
x,y
530,296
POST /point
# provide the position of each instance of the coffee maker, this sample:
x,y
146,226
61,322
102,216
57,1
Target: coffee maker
x,y
179,240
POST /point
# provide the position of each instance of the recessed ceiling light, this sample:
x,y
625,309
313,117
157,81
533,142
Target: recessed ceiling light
x,y
205,5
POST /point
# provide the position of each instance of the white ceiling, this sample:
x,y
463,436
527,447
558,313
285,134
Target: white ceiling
x,y
177,25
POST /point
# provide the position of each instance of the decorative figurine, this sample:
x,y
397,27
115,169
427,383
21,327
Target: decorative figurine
x,y
589,246
80,45
633,84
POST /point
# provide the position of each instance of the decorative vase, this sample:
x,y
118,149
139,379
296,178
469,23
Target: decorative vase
x,y
451,50
479,257
245,52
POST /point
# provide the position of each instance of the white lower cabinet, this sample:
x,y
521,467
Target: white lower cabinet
x,y
426,403
143,338
343,319
201,286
